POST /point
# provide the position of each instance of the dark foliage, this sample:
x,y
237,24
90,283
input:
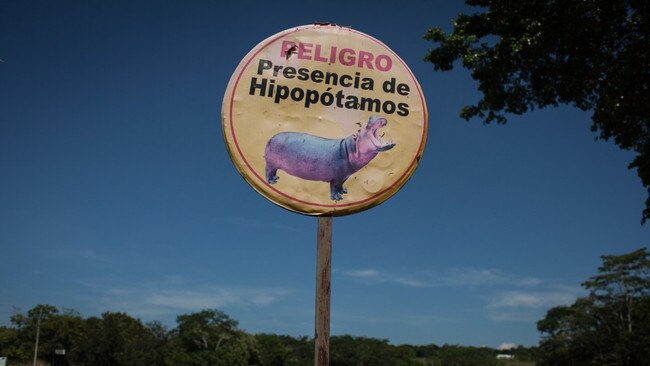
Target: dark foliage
x,y
611,326
592,54
206,338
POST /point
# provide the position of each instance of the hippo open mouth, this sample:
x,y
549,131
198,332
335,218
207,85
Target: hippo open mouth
x,y
375,125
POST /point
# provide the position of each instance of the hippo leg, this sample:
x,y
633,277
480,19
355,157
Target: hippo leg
x,y
337,190
341,189
271,175
335,195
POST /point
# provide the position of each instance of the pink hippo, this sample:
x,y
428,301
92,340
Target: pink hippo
x,y
321,159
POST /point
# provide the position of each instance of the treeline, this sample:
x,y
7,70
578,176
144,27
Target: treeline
x,y
209,337
609,326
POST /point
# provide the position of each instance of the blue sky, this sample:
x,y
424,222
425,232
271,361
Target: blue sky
x,y
117,192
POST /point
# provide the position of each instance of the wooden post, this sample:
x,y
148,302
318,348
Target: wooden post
x,y
323,282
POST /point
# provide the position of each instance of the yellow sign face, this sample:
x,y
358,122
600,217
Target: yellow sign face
x,y
324,120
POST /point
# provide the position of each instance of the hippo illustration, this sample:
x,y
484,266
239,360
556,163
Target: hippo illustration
x,y
321,159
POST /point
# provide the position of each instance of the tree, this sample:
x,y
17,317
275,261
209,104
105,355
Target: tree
x,y
161,340
205,330
116,339
362,351
58,330
284,350
592,54
610,326
210,337
272,350
9,344
619,292
27,327
61,332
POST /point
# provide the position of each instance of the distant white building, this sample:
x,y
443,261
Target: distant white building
x,y
504,356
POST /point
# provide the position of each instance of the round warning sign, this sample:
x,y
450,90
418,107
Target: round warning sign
x,y
324,120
